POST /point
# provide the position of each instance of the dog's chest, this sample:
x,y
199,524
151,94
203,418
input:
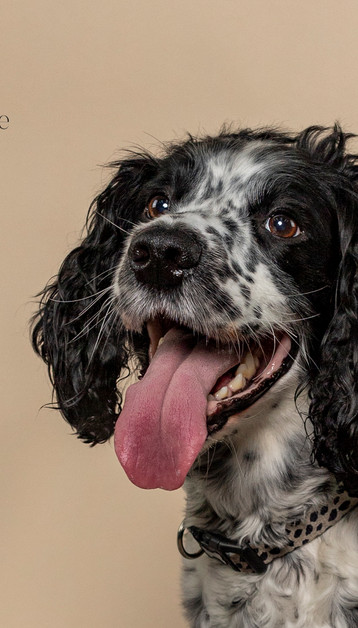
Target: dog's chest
x,y
297,592
216,597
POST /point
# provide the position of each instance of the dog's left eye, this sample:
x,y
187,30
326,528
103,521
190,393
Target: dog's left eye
x,y
282,226
157,206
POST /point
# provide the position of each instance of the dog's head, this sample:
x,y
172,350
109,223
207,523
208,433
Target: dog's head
x,y
241,250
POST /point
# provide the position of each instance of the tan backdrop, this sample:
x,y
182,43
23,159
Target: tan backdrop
x,y
79,81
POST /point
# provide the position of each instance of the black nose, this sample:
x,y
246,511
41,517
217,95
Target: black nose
x,y
162,257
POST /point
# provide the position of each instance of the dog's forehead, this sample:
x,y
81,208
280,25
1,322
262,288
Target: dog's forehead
x,y
241,163
231,170
232,176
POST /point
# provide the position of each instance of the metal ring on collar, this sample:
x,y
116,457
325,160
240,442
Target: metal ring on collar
x,y
181,531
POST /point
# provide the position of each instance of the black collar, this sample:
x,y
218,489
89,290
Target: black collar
x,y
256,558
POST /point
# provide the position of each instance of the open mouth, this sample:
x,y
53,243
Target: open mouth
x,y
191,388
257,367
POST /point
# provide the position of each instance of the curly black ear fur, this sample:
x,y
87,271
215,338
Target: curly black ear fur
x,y
334,393
84,363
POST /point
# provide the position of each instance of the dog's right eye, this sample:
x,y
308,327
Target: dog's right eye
x,y
157,206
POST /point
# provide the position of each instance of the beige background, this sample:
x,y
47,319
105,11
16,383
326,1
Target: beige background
x,y
80,80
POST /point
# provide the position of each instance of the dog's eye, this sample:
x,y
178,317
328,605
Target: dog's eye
x,y
157,206
282,226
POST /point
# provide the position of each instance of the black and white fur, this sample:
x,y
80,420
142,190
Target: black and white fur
x,y
280,456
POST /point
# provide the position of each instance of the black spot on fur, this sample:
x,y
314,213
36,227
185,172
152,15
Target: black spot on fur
x,y
212,189
351,617
246,292
237,268
250,456
249,278
251,261
230,225
215,233
222,270
193,607
224,303
229,241
219,186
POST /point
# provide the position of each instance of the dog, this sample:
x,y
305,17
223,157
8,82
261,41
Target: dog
x,y
224,274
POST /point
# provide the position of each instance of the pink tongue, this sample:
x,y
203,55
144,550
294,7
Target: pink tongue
x,y
162,426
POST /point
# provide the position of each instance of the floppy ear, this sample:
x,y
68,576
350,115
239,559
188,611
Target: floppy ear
x,y
334,392
76,331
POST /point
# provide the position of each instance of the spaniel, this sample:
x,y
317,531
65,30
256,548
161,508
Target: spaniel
x,y
224,273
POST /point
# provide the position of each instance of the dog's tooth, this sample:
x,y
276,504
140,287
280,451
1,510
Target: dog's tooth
x,y
223,393
244,372
161,340
238,383
242,368
250,365
247,366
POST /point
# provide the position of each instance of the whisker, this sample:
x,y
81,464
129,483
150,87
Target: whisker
x,y
129,221
88,327
113,223
303,294
298,320
80,299
106,319
103,274
88,307
232,449
211,450
110,329
84,331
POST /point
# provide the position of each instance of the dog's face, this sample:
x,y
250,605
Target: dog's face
x,y
224,259
231,252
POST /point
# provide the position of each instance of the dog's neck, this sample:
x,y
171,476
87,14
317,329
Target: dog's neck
x,y
250,483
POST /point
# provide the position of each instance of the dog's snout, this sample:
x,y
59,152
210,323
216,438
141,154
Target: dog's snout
x,y
162,257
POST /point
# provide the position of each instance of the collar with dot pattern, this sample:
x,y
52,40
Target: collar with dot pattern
x,y
255,559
